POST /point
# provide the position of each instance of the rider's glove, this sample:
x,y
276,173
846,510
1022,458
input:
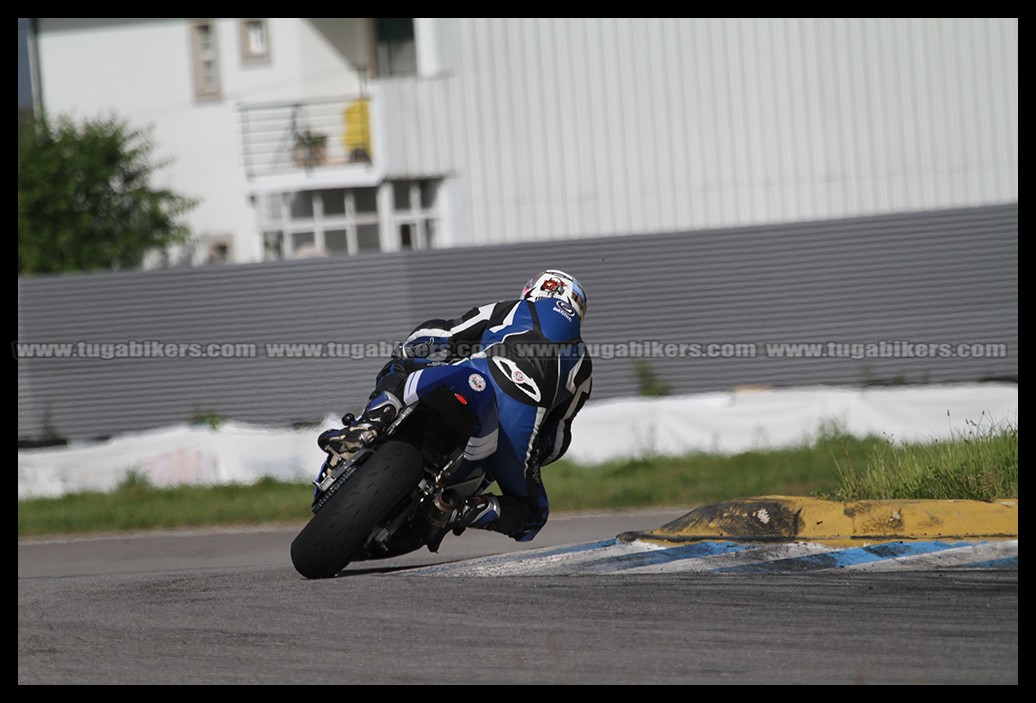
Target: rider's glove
x,y
427,349
477,511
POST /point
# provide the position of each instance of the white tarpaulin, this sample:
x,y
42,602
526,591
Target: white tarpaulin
x,y
728,423
724,423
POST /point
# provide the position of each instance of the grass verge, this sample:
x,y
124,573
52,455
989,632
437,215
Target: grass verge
x,y
981,464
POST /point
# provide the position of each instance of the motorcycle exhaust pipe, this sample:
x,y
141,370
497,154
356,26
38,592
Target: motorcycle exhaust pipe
x,y
443,505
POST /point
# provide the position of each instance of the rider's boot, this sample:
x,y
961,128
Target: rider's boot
x,y
379,414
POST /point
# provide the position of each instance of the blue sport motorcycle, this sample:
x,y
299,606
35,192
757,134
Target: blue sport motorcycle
x,y
400,494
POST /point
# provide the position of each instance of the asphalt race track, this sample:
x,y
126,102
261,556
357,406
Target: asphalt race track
x,y
226,607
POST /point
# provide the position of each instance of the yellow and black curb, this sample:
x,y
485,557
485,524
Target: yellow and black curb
x,y
792,519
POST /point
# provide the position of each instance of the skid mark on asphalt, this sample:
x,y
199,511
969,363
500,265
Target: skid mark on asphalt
x,y
721,556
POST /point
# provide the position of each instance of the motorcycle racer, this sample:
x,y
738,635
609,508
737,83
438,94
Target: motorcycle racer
x,y
531,351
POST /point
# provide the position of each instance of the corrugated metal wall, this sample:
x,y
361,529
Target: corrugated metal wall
x,y
937,278
582,127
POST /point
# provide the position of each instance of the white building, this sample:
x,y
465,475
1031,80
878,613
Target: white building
x,y
441,132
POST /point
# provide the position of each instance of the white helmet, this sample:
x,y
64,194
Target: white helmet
x,y
557,284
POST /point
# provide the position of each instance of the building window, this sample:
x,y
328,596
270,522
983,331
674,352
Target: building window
x,y
368,238
205,60
415,214
304,245
255,40
324,222
220,249
397,53
273,246
336,242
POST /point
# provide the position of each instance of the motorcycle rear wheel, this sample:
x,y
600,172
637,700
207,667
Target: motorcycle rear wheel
x,y
328,541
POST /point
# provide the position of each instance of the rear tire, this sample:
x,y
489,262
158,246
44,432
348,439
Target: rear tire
x,y
327,543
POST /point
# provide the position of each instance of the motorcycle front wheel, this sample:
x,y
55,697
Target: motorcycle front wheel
x,y
327,542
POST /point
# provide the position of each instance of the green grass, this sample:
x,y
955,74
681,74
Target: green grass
x,y
981,464
136,505
706,478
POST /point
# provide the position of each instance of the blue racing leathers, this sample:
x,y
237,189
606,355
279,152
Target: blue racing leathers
x,y
533,354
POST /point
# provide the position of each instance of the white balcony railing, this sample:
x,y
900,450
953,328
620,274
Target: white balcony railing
x,y
413,135
279,138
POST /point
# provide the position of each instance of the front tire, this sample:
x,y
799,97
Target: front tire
x,y
327,543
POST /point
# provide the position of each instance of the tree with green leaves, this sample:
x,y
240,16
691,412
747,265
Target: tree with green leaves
x,y
85,198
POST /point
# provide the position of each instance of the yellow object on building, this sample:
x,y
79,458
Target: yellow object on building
x,y
357,138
